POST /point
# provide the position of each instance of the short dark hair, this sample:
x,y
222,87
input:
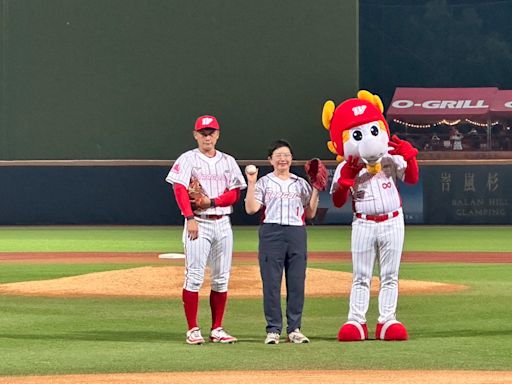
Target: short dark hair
x,y
279,144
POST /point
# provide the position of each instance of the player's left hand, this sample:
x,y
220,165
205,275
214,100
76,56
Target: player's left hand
x,y
198,198
200,202
402,148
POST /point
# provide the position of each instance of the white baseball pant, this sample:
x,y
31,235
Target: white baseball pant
x,y
382,241
213,247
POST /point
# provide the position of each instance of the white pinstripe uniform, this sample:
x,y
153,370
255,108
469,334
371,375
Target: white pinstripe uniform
x,y
284,200
376,195
214,246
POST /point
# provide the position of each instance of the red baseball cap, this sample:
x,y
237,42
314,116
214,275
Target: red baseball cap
x,y
206,121
354,112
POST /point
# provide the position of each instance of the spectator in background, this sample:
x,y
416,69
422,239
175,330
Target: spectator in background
x,y
435,142
508,139
456,139
503,143
474,139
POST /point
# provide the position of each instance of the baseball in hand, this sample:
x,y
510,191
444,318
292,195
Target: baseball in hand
x,y
250,169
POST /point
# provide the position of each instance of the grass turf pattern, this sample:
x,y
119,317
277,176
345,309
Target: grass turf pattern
x,y
469,330
49,335
168,239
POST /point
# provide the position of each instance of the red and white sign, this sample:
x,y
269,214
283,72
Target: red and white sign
x,y
426,105
502,104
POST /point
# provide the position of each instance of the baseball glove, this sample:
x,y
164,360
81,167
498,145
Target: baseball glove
x,y
196,193
317,173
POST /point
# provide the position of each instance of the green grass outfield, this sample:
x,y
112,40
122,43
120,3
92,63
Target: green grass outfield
x,y
471,330
168,239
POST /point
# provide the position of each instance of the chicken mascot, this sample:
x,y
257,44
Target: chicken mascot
x,y
370,164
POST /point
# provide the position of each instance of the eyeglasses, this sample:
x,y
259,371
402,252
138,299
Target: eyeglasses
x,y
282,155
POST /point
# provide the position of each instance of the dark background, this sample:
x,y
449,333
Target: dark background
x,y
125,79
437,43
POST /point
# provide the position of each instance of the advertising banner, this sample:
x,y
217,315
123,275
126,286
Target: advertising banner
x,y
468,194
424,105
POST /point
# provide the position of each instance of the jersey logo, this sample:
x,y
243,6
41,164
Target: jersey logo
x,y
386,185
207,120
176,168
359,110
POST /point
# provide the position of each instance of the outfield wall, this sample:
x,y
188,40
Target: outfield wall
x,y
126,79
135,193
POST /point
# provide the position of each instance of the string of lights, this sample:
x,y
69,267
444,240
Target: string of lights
x,y
443,122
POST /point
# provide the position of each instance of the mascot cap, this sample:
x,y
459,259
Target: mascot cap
x,y
352,113
206,121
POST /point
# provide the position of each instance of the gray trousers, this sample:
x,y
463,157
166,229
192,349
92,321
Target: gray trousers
x,y
282,247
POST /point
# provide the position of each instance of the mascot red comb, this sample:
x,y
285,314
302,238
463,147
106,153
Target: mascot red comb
x,y
370,164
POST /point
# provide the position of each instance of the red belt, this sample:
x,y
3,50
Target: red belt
x,y
210,217
377,218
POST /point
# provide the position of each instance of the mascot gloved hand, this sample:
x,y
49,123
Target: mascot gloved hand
x,y
349,172
402,148
370,163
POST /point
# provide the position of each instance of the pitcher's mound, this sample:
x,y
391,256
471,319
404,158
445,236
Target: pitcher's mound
x,y
168,282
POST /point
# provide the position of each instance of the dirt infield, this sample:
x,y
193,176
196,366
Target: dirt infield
x,y
270,377
152,257
167,281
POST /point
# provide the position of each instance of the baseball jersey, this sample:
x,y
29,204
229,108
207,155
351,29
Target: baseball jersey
x,y
376,194
216,174
283,200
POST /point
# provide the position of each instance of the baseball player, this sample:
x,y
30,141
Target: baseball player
x,y
359,132
207,235
287,201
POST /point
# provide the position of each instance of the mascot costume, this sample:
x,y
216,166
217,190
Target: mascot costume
x,y
370,164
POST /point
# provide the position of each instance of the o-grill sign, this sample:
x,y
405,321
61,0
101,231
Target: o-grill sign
x,y
444,104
